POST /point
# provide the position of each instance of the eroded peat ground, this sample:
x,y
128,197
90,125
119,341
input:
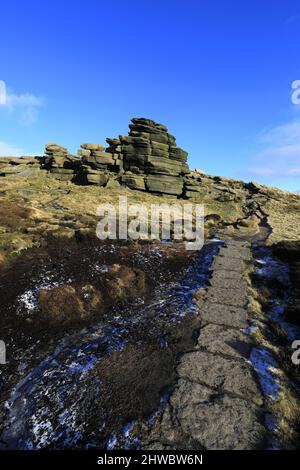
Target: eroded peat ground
x,y
77,381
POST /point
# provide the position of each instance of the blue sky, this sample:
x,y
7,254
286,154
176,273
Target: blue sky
x,y
218,74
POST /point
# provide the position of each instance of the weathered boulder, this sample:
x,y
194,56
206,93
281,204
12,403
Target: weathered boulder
x,y
95,147
96,178
134,181
164,184
96,159
99,157
150,149
52,148
176,153
158,165
20,166
62,165
84,153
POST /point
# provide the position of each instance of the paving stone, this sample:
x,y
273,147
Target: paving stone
x,y
223,374
227,315
219,339
226,296
242,253
227,283
238,243
230,264
222,274
217,421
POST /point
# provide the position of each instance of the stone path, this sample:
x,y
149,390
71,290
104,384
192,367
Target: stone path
x,y
217,402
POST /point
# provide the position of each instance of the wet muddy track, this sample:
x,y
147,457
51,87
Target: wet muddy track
x,y
101,378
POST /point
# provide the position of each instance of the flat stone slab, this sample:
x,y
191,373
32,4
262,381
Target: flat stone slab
x,y
228,264
217,421
235,297
218,339
232,252
238,244
227,283
217,403
224,315
223,274
222,374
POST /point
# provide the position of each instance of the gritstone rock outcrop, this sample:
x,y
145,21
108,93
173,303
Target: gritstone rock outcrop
x,y
147,159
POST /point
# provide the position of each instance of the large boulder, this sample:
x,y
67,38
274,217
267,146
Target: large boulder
x,y
150,150
98,178
52,148
164,184
99,157
97,147
134,181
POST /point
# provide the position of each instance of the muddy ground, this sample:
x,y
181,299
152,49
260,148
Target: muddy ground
x,y
139,336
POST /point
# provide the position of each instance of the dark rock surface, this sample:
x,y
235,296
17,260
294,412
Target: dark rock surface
x,y
217,401
149,150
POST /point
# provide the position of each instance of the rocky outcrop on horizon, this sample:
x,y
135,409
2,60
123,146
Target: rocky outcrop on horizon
x,y
61,164
96,164
149,162
147,159
152,161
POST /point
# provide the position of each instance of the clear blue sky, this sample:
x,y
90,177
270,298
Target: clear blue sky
x,y
218,74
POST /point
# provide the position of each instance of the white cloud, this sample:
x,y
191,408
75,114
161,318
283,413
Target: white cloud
x,y
292,19
25,100
10,150
280,155
25,107
285,134
2,92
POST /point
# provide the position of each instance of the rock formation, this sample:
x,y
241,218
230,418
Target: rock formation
x,y
21,166
147,159
61,164
151,160
96,162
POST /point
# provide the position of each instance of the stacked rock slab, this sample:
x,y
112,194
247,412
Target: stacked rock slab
x,y
96,162
151,159
193,189
19,166
147,159
115,149
62,165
